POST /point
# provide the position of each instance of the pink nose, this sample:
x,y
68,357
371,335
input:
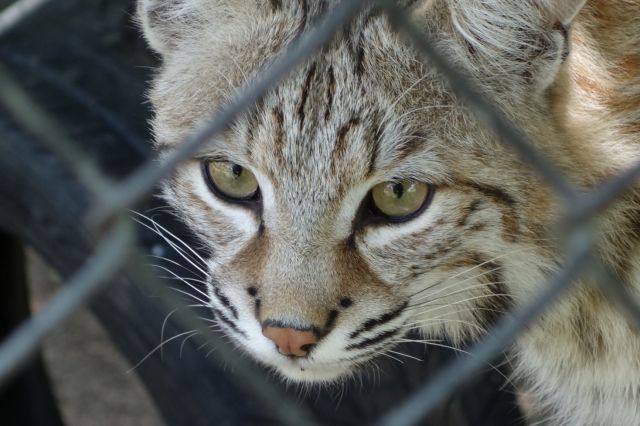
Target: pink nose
x,y
291,342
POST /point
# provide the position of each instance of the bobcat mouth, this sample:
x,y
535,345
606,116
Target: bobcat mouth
x,y
347,361
305,371
336,354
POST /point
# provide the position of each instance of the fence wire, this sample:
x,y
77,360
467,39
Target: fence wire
x,y
113,229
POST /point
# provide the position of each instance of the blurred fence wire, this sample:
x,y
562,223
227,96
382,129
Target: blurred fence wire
x,y
14,14
112,228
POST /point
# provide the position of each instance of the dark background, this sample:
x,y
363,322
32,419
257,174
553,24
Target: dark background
x,y
85,62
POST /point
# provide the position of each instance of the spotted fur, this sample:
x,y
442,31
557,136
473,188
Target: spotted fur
x,y
366,110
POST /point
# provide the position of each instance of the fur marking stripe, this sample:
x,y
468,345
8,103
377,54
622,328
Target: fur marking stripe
x,y
225,302
377,130
375,322
359,59
492,308
340,146
305,94
376,339
221,316
278,119
331,90
331,321
276,5
257,308
507,204
305,15
468,211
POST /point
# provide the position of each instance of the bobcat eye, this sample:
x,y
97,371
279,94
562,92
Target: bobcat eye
x,y
230,180
401,200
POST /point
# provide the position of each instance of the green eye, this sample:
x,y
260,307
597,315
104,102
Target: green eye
x,y
230,180
402,199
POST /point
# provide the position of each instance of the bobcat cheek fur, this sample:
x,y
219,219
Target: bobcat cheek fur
x,y
366,110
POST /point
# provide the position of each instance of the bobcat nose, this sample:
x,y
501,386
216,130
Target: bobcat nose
x,y
291,342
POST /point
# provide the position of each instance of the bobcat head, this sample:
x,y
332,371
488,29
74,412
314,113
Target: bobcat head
x,y
360,199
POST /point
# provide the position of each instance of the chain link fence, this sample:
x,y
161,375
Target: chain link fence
x,y
112,228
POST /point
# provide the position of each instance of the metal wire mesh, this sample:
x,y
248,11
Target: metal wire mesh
x,y
112,227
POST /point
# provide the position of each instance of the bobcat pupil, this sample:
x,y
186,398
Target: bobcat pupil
x,y
398,190
236,170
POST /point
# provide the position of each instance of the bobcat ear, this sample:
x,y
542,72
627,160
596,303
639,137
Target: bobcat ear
x,y
562,11
164,22
522,42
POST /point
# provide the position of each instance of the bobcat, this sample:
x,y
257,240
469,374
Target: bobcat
x,y
360,199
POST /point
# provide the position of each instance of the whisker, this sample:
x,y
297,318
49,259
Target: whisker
x,y
184,278
405,340
413,111
185,341
179,278
462,351
177,336
187,294
453,293
470,299
466,310
173,262
157,209
158,227
390,356
405,355
186,256
449,320
468,270
164,324
387,114
457,283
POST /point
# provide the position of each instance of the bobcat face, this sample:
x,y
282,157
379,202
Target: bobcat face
x,y
358,199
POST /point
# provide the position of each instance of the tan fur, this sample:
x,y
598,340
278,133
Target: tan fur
x,y
367,110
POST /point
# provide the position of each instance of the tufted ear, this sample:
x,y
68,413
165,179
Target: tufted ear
x,y
523,42
563,11
164,22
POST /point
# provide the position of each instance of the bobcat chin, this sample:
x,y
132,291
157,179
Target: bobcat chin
x,y
359,199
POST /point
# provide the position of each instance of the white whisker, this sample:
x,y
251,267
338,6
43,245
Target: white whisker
x,y
164,324
187,294
156,229
159,227
462,351
185,341
177,336
179,278
453,293
174,263
406,355
469,270
470,299
457,283
390,356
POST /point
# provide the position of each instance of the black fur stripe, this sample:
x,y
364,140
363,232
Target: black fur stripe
x,y
375,322
305,94
225,302
226,321
376,129
492,308
374,340
276,4
331,90
331,321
